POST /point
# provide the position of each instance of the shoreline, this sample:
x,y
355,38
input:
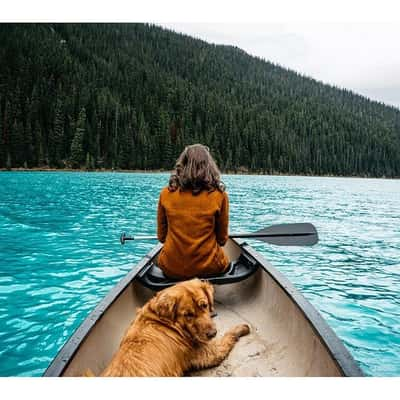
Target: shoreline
x,y
158,171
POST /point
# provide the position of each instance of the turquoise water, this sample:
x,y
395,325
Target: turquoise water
x,y
60,254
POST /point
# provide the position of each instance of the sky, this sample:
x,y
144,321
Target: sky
x,y
363,57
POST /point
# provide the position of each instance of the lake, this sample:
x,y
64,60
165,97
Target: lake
x,y
60,254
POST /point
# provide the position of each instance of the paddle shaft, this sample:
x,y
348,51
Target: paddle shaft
x,y
233,236
300,234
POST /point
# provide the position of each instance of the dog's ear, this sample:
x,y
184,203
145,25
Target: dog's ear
x,y
165,306
209,291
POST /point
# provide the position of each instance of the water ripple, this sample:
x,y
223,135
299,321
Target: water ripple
x,y
60,254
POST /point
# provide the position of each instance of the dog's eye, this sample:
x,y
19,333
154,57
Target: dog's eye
x,y
203,305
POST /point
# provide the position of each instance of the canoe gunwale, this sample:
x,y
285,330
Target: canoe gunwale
x,y
66,353
344,360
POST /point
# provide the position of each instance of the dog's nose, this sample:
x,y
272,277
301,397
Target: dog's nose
x,y
211,333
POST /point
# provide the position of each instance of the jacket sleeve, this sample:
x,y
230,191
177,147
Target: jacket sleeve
x,y
222,221
162,223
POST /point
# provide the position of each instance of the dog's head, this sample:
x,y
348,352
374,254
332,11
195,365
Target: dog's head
x,y
188,305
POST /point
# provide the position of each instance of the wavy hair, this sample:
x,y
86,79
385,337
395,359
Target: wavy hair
x,y
196,170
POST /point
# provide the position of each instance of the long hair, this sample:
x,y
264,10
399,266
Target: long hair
x,y
196,170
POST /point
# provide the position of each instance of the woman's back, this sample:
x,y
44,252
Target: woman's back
x,y
193,227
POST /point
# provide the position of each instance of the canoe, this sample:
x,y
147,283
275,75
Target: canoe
x,y
288,336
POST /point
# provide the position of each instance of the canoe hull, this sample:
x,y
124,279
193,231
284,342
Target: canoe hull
x,y
288,336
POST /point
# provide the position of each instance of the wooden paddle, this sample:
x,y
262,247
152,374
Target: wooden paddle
x,y
303,234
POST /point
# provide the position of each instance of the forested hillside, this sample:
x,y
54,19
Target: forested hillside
x,y
131,96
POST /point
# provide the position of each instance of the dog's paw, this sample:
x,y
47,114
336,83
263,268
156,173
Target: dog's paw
x,y
241,330
88,373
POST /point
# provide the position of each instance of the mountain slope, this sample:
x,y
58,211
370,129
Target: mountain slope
x,y
133,95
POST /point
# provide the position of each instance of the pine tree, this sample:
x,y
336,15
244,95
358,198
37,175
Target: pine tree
x,y
125,149
17,143
56,135
77,153
90,164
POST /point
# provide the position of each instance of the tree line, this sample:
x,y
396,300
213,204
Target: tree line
x,y
131,96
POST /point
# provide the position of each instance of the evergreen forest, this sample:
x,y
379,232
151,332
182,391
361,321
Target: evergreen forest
x,y
131,96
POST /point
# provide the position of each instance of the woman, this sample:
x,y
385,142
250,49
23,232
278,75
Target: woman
x,y
192,217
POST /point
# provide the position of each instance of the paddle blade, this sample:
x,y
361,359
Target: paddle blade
x,y
303,234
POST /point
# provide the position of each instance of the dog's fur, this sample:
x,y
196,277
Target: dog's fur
x,y
172,334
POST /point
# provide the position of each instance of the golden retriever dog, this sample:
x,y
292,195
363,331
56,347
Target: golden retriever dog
x,y
173,333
